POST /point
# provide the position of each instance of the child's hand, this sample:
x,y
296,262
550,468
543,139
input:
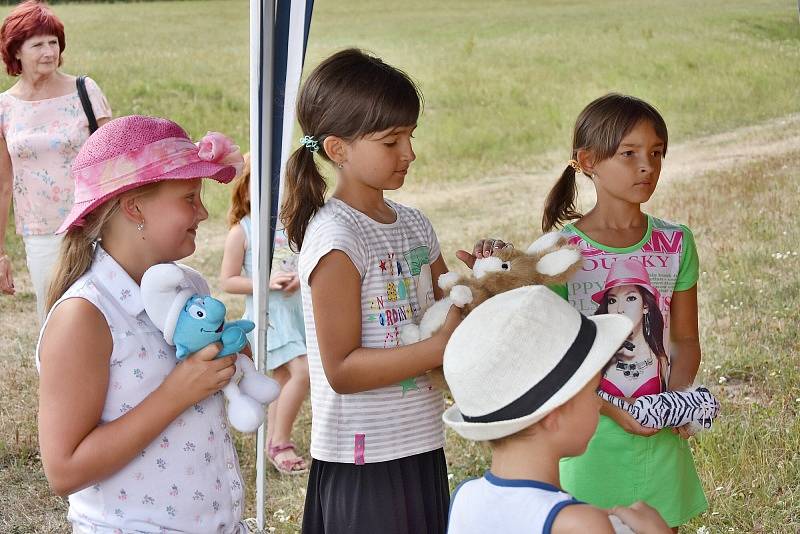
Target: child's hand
x,y
452,320
286,282
641,518
482,249
684,431
199,376
293,285
626,420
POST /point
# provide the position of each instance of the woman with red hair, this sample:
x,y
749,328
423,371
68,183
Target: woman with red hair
x,y
42,127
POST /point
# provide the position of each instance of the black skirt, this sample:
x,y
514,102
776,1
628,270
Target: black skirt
x,y
408,495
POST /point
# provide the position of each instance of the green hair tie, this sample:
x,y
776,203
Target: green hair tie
x,y
310,143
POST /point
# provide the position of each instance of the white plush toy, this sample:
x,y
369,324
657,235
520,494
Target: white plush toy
x,y
549,260
190,322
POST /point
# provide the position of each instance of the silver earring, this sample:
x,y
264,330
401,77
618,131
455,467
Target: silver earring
x,y
340,164
140,226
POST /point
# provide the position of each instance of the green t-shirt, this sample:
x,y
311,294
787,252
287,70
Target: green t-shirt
x,y
637,281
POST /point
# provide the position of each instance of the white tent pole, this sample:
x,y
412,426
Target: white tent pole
x,y
262,15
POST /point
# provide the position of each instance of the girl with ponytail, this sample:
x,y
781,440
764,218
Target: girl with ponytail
x,y
619,143
116,411
367,266
644,267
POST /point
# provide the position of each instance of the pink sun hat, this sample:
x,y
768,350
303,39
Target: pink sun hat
x,y
133,151
627,273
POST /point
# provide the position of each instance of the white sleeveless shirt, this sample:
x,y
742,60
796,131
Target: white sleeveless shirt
x,y
187,479
494,504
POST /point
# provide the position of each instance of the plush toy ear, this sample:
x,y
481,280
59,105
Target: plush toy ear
x,y
558,262
544,242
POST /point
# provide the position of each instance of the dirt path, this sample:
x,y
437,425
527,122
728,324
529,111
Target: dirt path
x,y
508,206
503,205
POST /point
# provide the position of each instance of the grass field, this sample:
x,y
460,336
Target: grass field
x,y
503,84
503,81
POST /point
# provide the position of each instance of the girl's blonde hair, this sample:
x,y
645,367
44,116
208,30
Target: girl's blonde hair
x,y
240,196
77,248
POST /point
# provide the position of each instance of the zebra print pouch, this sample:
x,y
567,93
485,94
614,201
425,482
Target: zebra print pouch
x,y
670,408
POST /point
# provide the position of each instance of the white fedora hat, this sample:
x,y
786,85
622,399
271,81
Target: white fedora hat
x,y
521,354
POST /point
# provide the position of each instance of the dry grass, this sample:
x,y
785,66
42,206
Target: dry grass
x,y
485,117
742,216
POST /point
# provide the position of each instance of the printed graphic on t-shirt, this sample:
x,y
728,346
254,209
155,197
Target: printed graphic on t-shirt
x,y
404,275
639,285
419,262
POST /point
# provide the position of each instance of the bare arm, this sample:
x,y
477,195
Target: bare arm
x,y
76,450
685,339
350,368
582,518
628,423
230,274
6,180
102,121
641,518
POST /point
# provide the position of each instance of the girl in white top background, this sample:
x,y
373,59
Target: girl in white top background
x,y
138,442
286,348
367,266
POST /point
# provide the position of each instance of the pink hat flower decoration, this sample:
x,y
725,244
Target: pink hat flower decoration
x,y
218,148
132,151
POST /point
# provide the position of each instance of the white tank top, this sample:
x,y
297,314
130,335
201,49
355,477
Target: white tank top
x,y
494,504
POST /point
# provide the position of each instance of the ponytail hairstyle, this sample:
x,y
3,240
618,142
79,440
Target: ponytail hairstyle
x,y
240,196
600,128
349,95
77,250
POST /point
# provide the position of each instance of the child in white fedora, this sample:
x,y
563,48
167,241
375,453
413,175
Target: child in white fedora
x,y
523,369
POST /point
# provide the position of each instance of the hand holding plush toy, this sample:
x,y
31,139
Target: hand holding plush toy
x,y
191,322
697,407
548,261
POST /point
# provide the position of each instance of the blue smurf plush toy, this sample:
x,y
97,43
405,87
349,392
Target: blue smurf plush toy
x,y
190,322
201,322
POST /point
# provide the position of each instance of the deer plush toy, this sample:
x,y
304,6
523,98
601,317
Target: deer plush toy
x,y
548,261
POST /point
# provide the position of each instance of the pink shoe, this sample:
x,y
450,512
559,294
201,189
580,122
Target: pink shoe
x,y
288,466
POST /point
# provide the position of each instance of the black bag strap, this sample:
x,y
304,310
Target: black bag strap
x,y
80,81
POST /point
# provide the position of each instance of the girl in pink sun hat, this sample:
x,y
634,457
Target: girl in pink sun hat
x,y
640,367
136,441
